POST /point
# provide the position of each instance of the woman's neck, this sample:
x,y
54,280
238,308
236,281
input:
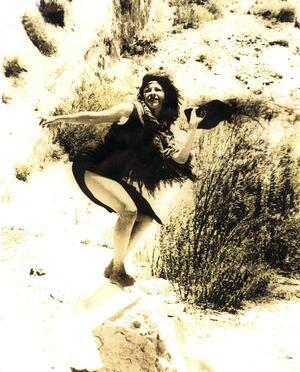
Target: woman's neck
x,y
156,112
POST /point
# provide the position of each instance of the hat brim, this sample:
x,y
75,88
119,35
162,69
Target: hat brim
x,y
215,112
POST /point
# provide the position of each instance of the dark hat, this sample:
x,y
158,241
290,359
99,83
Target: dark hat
x,y
213,112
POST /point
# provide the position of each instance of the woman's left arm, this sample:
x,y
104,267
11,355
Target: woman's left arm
x,y
182,155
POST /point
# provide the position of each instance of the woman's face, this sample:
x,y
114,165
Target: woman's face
x,y
154,96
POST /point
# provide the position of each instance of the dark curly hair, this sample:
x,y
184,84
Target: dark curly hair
x,y
170,109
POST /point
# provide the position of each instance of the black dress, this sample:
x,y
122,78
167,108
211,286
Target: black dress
x,y
127,154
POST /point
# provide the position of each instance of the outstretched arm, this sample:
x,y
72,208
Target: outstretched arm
x,y
183,154
113,114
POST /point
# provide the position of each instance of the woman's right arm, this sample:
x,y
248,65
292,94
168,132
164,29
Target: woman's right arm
x,y
114,114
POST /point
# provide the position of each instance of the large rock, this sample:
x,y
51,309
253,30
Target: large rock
x,y
140,338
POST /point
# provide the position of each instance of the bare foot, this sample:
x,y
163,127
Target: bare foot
x,y
121,279
108,270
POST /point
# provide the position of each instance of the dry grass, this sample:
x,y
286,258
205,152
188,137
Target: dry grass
x,y
191,14
222,249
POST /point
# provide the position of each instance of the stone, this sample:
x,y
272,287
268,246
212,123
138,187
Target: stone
x,y
140,338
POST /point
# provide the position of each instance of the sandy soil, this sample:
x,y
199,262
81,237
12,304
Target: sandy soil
x,y
263,337
38,329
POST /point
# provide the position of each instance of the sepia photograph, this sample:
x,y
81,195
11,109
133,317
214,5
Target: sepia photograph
x,y
150,186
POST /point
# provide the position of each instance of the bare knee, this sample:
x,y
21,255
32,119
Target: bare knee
x,y
128,212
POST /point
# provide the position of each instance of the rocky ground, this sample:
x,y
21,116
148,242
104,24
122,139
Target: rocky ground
x,y
43,284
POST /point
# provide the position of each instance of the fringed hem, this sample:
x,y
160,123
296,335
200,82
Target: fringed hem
x,y
168,172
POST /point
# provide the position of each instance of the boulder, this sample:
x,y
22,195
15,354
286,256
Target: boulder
x,y
140,338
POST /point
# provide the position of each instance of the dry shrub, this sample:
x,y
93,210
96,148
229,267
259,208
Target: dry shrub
x,y
191,14
207,59
89,96
138,46
251,109
283,43
23,171
286,15
276,10
12,67
34,28
242,225
53,12
291,244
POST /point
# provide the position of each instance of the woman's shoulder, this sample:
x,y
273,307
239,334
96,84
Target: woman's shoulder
x,y
131,113
125,110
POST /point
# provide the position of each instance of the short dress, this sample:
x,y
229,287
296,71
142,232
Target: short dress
x,y
129,154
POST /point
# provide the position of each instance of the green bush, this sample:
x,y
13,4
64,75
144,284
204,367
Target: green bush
x,y
89,96
222,249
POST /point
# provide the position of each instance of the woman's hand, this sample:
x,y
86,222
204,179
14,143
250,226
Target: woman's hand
x,y
47,121
168,152
194,120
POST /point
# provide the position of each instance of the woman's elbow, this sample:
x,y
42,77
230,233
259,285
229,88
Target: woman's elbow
x,y
180,159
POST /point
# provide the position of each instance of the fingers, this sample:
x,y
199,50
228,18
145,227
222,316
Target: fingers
x,y
193,115
168,152
46,121
43,122
194,120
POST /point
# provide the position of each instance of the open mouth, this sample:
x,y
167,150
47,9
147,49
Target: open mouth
x,y
153,99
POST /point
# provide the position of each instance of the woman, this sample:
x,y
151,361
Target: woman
x,y
139,148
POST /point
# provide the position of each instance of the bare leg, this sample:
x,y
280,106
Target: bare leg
x,y
112,194
139,227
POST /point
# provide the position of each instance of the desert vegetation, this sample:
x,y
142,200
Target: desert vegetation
x,y
242,225
138,46
93,95
53,12
193,13
277,11
34,27
12,67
